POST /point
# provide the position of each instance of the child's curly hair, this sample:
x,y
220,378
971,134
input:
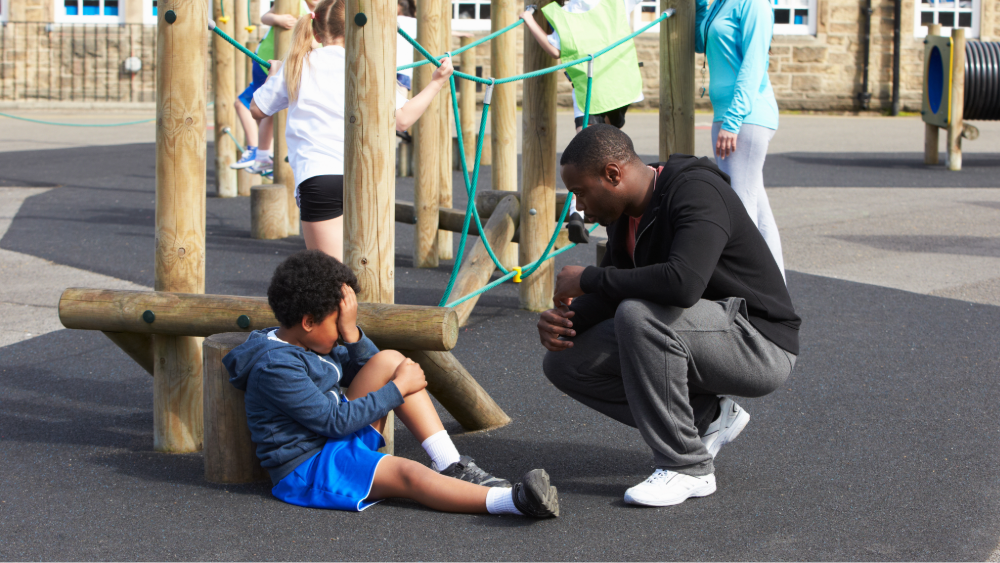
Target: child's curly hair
x,y
308,282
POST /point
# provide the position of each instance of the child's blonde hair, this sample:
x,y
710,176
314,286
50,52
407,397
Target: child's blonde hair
x,y
324,24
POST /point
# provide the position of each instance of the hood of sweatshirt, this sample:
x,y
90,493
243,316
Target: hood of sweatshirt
x,y
241,360
678,164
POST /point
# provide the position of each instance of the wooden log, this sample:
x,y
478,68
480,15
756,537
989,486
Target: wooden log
x,y
955,123
453,219
224,90
230,454
538,173
179,314
404,160
268,212
467,105
244,179
487,201
139,347
369,146
677,79
282,170
931,132
503,110
458,392
445,243
478,266
179,263
427,137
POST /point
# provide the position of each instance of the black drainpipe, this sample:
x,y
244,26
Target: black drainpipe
x,y
864,96
897,15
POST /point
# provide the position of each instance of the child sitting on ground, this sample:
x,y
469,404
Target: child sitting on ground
x,y
319,442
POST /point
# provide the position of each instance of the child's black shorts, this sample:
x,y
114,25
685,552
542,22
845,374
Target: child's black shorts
x,y
321,198
615,117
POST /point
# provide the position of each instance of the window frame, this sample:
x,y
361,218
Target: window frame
x,y
60,15
808,28
635,18
920,29
462,24
4,10
148,17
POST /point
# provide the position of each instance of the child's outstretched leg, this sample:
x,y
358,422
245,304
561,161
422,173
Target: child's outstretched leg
x,y
250,129
418,414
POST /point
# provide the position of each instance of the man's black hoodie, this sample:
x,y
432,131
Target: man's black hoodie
x,y
695,241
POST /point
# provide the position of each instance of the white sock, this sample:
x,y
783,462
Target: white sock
x,y
501,501
441,449
263,154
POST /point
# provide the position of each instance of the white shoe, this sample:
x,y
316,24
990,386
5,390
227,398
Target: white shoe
x,y
667,488
731,421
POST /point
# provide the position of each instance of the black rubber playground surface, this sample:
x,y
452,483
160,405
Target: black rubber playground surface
x,y
883,445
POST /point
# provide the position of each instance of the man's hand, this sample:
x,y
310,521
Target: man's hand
x,y
286,21
275,67
725,145
409,378
347,322
568,284
555,323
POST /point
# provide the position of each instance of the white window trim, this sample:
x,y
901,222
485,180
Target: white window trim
x,y
147,12
61,17
798,29
635,18
4,10
458,24
920,30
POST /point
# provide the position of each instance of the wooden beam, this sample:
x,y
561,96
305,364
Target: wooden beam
x,y
369,155
282,170
139,347
180,314
427,138
487,201
478,266
179,262
955,122
445,244
244,179
458,392
677,79
224,90
538,173
453,219
503,109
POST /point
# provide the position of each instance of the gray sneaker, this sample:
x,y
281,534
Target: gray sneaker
x,y
535,497
465,469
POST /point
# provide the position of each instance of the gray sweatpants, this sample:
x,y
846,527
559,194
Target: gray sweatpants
x,y
661,370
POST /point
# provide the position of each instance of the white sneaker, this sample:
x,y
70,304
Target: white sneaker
x,y
667,488
731,421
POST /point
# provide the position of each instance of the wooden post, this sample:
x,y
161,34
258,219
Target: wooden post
x,y
254,178
446,250
282,170
243,178
503,109
538,173
458,392
467,104
139,347
230,454
955,123
180,216
369,147
478,266
224,89
677,80
427,137
268,212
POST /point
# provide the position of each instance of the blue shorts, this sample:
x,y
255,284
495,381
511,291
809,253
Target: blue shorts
x,y
259,76
339,477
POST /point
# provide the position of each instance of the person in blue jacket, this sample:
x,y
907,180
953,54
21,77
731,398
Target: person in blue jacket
x,y
317,392
735,36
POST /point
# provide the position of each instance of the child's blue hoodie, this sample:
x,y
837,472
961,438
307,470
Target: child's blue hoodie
x,y
293,398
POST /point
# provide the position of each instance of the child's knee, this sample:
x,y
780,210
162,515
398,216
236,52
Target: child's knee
x,y
387,360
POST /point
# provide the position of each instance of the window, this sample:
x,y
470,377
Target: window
x,y
149,11
89,11
470,15
645,12
4,10
960,13
794,17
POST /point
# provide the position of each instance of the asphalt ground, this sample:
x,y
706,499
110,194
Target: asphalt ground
x,y
881,446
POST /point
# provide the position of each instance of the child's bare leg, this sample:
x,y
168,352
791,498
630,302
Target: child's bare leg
x,y
327,236
248,122
266,134
398,477
417,411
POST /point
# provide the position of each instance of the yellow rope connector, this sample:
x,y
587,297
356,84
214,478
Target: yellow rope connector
x,y
250,28
517,276
224,19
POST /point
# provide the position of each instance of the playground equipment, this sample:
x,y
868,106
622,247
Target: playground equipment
x,y
961,82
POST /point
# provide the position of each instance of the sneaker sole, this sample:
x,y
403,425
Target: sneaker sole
x,y
697,493
537,484
730,434
239,166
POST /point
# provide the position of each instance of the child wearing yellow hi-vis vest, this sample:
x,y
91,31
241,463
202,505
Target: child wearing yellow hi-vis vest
x,y
581,28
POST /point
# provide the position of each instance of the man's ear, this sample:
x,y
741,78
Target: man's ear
x,y
613,173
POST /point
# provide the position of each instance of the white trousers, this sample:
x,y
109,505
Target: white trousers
x,y
745,168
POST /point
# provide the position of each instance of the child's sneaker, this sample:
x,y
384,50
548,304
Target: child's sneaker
x,y
535,497
667,488
246,159
262,164
577,230
465,469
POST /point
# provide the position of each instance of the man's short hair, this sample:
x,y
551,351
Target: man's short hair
x,y
598,145
308,282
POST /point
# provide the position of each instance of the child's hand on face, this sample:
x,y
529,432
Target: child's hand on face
x,y
442,72
409,377
347,322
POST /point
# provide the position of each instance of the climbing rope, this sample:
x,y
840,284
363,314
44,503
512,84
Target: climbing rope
x,y
472,45
238,45
28,119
